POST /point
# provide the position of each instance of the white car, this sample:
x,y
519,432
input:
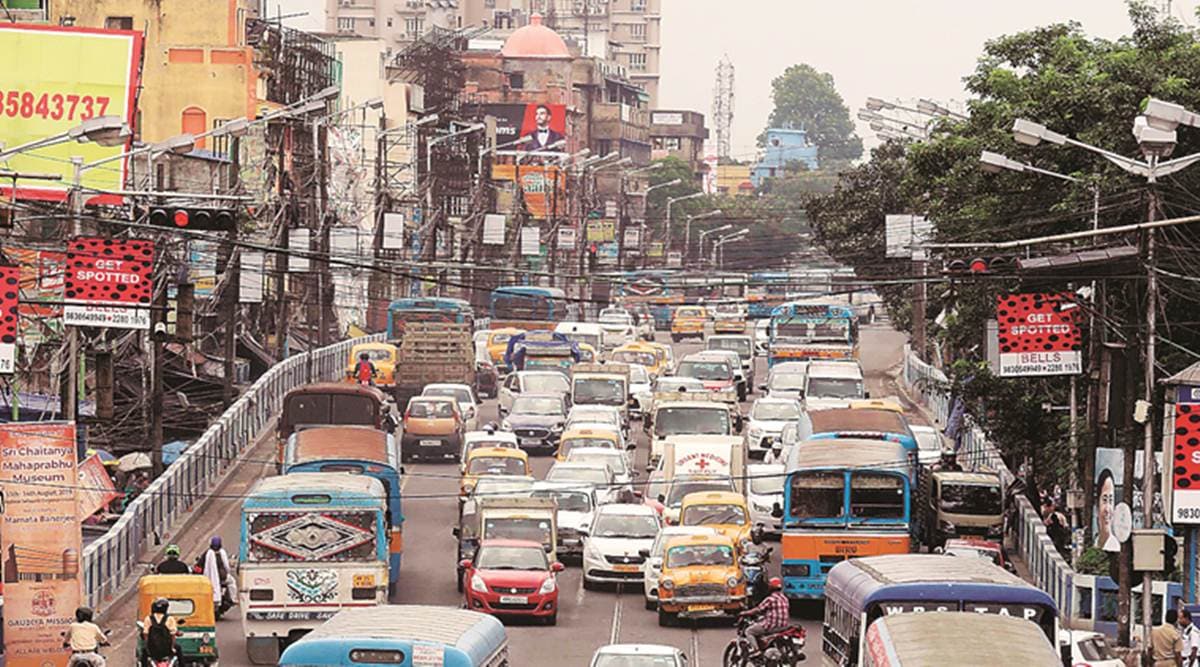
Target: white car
x,y
618,326
596,414
576,507
615,459
641,390
531,382
768,416
463,395
612,548
786,380
929,444
638,655
652,569
1089,649
762,337
764,490
597,475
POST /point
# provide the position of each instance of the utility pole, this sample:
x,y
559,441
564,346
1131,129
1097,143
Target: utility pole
x,y
1148,397
287,201
231,294
920,265
156,379
71,395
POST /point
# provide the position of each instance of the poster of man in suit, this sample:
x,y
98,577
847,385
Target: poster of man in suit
x,y
544,124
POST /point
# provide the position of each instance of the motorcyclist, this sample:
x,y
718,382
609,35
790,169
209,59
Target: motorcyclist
x,y
159,630
773,614
948,462
364,370
172,564
85,638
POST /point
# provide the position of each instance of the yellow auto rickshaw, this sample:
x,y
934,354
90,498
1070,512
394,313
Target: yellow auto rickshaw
x,y
190,600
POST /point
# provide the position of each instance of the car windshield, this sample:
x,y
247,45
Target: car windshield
x,y
703,515
572,474
632,526
638,374
817,495
608,391
514,528
500,338
742,346
834,388
1096,648
375,354
928,441
430,410
767,484
632,357
500,486
700,555
547,384
635,661
615,461
615,318
496,465
977,499
461,396
698,421
787,381
704,370
578,443
568,501
510,558
683,487
479,444
537,406
776,412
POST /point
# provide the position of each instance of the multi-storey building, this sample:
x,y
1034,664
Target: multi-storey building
x,y
396,22
680,134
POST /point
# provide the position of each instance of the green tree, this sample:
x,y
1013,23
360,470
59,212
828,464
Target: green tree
x,y
805,98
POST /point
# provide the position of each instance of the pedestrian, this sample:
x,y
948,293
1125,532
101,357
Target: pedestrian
x,y
1057,526
216,568
1191,640
871,314
1165,642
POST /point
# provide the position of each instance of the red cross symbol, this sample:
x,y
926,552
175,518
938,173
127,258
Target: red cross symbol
x,y
702,464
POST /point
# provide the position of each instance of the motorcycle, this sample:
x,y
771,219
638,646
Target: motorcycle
x,y
754,569
783,649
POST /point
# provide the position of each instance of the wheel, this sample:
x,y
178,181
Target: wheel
x,y
674,338
734,655
651,605
588,585
458,582
666,619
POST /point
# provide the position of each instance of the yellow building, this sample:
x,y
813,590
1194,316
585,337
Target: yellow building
x,y
198,71
734,179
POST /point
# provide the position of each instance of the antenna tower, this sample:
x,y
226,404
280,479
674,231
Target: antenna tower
x,y
722,106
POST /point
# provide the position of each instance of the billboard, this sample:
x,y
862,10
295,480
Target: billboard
x,y
109,283
902,231
1185,496
1038,335
544,124
41,540
543,188
66,76
10,292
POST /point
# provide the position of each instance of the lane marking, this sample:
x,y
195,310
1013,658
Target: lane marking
x,y
695,647
616,619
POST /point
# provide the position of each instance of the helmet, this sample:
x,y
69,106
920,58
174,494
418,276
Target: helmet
x,y
83,615
160,606
775,583
215,542
173,550
363,356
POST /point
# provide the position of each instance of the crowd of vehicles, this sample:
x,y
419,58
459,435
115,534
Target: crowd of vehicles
x,y
841,480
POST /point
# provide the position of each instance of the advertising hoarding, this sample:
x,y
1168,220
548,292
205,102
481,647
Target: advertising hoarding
x,y
543,188
530,241
66,75
106,281
544,124
1038,335
1185,496
41,541
96,488
10,318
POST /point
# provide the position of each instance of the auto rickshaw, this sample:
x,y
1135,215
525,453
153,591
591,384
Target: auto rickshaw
x,y
190,598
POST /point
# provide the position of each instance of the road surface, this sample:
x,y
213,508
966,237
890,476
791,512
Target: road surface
x,y
586,619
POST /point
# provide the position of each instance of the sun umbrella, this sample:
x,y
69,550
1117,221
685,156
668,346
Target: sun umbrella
x,y
134,461
106,457
173,450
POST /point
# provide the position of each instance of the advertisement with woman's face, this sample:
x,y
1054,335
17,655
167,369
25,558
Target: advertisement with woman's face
x,y
1106,499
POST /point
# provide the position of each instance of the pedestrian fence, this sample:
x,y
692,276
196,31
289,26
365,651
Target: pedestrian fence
x,y
111,560
1085,602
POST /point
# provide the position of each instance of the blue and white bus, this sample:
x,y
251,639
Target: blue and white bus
x,y
801,331
403,636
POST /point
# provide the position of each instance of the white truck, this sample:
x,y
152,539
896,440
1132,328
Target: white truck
x,y
690,413
713,455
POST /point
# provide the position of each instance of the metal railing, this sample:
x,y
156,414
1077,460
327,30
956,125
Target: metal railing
x,y
1085,602
111,560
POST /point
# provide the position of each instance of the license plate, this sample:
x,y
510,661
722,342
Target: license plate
x,y
702,607
513,599
431,443
626,568
530,441
364,581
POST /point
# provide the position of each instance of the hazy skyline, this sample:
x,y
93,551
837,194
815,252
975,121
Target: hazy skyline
x,y
872,48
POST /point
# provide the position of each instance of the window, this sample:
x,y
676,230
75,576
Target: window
x,y
667,143
194,121
220,144
637,5
489,3
345,24
637,30
637,62
118,23
516,80
371,22
414,26
389,23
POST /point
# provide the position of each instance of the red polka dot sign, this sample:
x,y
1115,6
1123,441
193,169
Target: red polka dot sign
x,y
10,292
1038,334
1185,503
106,282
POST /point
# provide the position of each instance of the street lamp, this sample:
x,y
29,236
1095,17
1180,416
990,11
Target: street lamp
x,y
932,108
1154,142
671,202
518,142
903,130
103,130
719,246
1168,115
687,236
705,232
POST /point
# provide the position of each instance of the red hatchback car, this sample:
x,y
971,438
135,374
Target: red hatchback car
x,y
512,578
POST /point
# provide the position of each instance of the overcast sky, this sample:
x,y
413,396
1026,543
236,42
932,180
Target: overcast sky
x,y
900,49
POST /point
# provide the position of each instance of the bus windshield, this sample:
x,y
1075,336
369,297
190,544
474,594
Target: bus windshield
x,y
876,496
817,495
522,307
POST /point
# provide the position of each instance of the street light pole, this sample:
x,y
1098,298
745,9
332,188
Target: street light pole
x,y
705,233
671,202
687,236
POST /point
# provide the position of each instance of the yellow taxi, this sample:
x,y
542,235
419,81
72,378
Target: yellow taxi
x,y
889,404
645,354
688,322
723,511
587,354
700,578
381,355
493,462
667,354
574,438
497,343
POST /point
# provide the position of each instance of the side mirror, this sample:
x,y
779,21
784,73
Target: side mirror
x,y
455,531
465,563
644,553
557,567
777,511
630,447
634,473
585,531
662,498
762,387
181,621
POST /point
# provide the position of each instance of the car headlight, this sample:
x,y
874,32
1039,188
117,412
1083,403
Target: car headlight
x,y
477,584
760,508
505,425
592,552
548,586
755,433
666,584
732,582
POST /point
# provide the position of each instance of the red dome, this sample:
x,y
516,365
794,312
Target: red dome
x,y
535,41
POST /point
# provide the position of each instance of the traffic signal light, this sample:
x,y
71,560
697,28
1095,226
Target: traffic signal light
x,y
979,266
200,219
592,259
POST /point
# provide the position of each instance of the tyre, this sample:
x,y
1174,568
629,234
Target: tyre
x,y
458,582
734,656
674,338
588,585
651,605
666,619
552,619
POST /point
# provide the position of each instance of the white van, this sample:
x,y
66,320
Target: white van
x,y
588,333
833,384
